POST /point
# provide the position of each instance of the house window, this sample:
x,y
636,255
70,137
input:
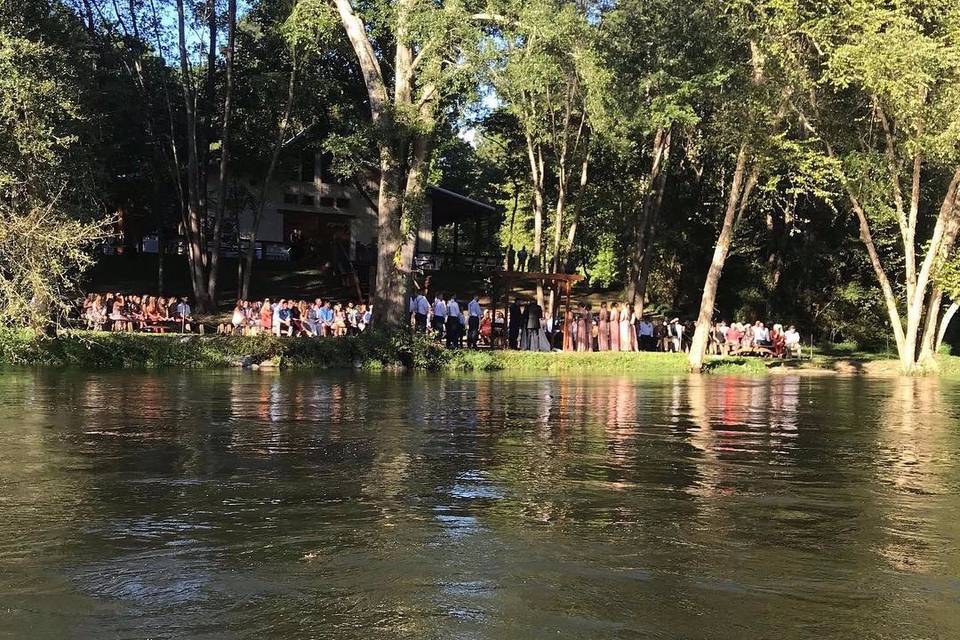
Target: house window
x,y
326,169
343,203
307,200
308,166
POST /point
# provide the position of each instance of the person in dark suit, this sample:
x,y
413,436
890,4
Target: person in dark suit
x,y
532,314
513,324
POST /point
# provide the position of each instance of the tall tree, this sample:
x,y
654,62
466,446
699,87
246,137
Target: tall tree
x,y
885,103
550,77
429,48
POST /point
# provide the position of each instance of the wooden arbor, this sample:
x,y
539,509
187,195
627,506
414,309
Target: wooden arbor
x,y
504,282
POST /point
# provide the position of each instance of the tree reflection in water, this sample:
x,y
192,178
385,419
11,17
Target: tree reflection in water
x,y
486,506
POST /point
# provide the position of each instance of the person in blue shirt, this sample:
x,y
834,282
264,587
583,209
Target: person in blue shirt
x,y
474,312
326,319
454,326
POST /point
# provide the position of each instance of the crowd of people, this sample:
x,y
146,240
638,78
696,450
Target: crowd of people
x,y
753,339
284,317
159,314
118,312
617,326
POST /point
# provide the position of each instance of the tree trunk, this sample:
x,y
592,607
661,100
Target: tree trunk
x,y
192,224
390,289
660,186
248,258
928,346
736,203
224,156
945,323
642,222
535,157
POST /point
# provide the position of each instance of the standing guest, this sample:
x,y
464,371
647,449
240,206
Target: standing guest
x,y
635,319
675,335
353,320
628,339
511,255
453,323
534,338
499,330
660,339
614,327
646,332
439,314
584,326
522,259
421,310
367,317
473,322
603,328
568,338
412,308
514,318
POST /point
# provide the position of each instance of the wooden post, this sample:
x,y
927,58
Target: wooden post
x,y
567,338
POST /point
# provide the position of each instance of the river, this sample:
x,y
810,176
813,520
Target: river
x,y
313,505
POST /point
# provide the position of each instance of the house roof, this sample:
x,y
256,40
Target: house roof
x,y
450,207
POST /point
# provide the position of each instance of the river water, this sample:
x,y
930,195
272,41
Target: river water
x,y
247,505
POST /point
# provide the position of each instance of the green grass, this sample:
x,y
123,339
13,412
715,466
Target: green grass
x,y
400,351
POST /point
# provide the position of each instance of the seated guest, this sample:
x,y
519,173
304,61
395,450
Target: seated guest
x,y
791,341
266,316
237,320
284,325
275,322
499,330
151,316
118,315
326,319
339,326
747,338
353,319
96,313
296,319
486,328
777,341
184,314
761,335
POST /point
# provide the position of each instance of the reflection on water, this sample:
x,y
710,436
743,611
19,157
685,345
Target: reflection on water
x,y
226,505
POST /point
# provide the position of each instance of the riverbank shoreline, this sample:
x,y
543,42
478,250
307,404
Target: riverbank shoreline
x,y
100,350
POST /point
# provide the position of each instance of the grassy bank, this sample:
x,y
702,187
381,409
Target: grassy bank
x,y
372,351
378,351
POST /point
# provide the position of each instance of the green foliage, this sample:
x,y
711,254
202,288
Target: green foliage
x,y
605,267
